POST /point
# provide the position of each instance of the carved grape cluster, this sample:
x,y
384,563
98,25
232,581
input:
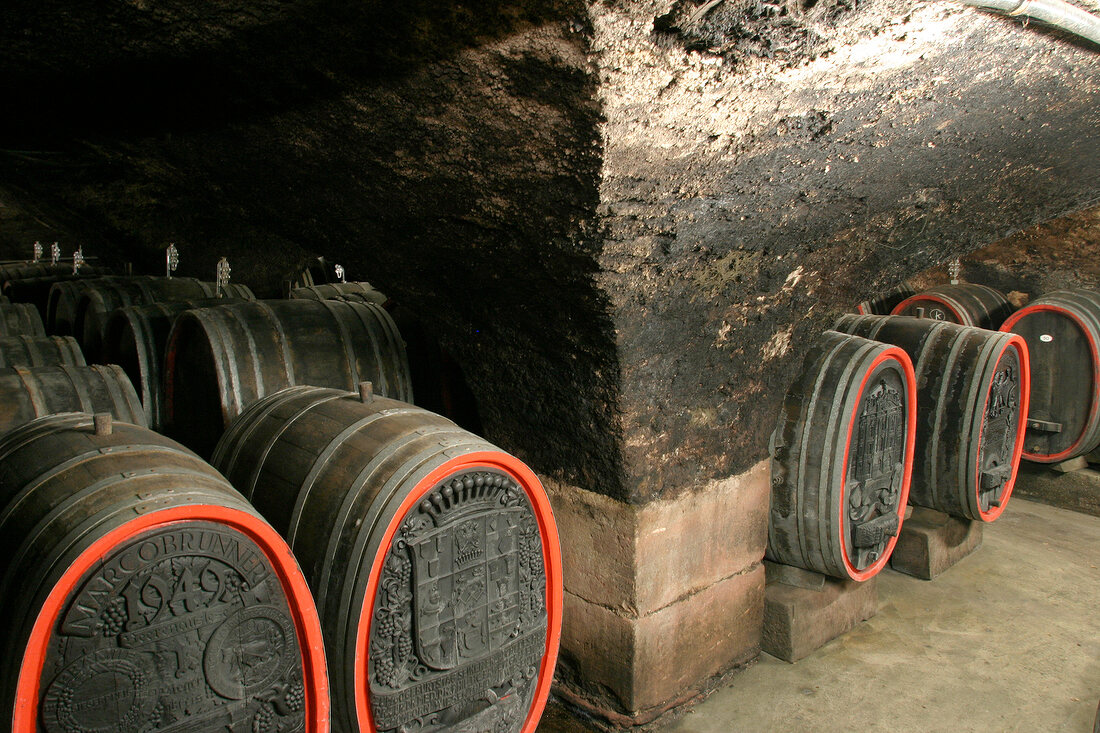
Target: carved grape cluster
x,y
295,697
264,719
114,617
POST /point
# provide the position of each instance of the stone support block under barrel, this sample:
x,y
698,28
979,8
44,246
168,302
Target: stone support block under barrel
x,y
931,542
800,618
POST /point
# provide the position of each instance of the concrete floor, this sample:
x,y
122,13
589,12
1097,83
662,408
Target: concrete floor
x,y
1007,640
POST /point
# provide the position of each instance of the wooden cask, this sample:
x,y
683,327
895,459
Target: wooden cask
x,y
966,304
98,300
36,351
65,295
1062,331
433,556
220,360
883,303
20,319
972,403
136,338
27,393
842,454
36,289
355,292
139,592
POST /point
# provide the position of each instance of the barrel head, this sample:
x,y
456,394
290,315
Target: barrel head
x,y
181,626
458,616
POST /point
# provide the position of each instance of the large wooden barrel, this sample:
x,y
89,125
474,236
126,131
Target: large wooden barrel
x,y
136,338
22,270
64,296
1062,331
28,393
359,292
220,360
972,403
99,300
966,304
20,319
139,592
36,351
842,455
433,556
883,303
36,290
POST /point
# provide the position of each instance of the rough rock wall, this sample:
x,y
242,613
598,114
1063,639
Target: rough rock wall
x,y
447,153
749,200
1056,255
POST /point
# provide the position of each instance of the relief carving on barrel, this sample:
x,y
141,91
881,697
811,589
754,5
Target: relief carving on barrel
x,y
876,470
459,624
184,627
999,432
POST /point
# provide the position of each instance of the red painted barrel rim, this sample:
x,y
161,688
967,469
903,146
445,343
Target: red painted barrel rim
x,y
1017,342
306,621
551,556
1029,310
961,318
895,353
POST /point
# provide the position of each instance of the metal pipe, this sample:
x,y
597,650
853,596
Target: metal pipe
x,y
1057,13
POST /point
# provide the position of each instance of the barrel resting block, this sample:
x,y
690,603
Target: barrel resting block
x,y
804,610
662,599
1078,491
931,542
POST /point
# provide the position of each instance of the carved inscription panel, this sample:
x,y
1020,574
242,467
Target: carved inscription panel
x,y
458,627
183,628
999,430
876,468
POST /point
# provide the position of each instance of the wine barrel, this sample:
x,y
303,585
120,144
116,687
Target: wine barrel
x,y
220,360
64,296
27,393
1062,331
22,270
883,303
20,319
36,351
966,304
36,290
99,300
140,592
136,338
972,403
433,556
842,455
358,292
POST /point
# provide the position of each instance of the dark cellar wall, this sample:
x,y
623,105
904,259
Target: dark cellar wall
x,y
448,154
626,224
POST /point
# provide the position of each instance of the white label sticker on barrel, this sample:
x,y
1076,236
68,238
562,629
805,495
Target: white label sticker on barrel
x,y
1046,338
